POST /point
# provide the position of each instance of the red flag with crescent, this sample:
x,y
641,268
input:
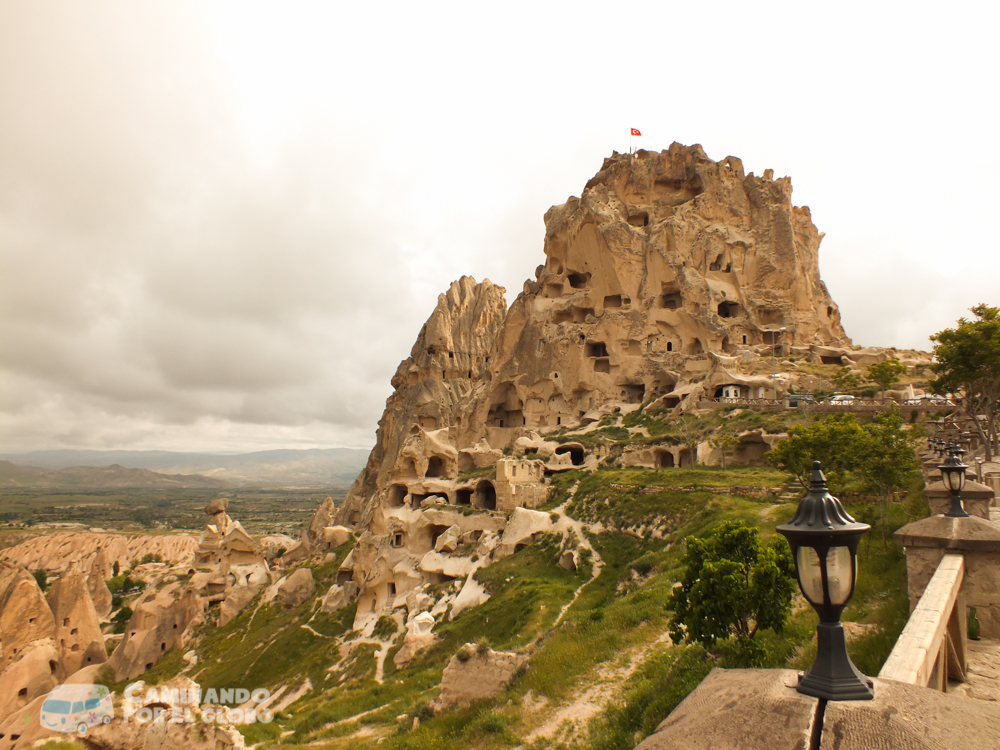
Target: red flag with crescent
x,y
635,132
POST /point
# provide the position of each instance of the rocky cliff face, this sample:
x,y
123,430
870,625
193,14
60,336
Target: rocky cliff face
x,y
660,282
428,413
669,271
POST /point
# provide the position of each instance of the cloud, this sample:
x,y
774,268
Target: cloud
x,y
224,224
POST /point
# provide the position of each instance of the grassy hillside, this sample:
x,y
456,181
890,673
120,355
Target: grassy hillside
x,y
603,677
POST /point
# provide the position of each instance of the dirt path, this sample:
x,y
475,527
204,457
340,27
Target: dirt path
x,y
578,528
571,719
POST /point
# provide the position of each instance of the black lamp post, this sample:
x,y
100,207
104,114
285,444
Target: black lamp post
x,y
953,476
824,541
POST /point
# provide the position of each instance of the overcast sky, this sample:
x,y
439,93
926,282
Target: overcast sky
x,y
223,224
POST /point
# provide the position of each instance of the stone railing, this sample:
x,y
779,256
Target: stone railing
x,y
931,649
858,405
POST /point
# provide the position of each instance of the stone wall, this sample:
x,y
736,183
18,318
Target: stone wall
x,y
928,540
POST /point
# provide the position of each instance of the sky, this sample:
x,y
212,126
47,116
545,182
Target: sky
x,y
222,224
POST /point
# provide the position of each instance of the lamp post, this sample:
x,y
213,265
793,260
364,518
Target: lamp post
x,y
824,541
774,381
953,476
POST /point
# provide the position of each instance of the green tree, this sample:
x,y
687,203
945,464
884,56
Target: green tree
x,y
733,585
885,373
968,362
121,618
724,441
831,441
41,577
877,457
885,460
115,568
847,380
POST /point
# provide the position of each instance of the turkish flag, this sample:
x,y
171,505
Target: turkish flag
x,y
635,132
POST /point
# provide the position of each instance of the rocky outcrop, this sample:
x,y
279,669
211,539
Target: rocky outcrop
x,y
31,662
56,552
668,276
97,585
298,587
156,626
476,673
78,628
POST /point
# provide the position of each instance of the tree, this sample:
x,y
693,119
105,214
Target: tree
x,y
115,568
847,380
831,441
691,433
885,373
878,456
733,585
968,361
41,577
885,460
724,441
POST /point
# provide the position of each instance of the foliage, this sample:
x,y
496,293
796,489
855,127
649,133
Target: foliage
x,y
831,441
121,618
151,557
115,568
967,360
847,380
885,460
724,441
878,456
733,585
385,628
41,578
885,373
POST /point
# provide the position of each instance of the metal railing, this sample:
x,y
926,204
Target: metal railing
x,y
932,647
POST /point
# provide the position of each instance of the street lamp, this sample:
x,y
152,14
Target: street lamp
x,y
953,476
774,381
824,541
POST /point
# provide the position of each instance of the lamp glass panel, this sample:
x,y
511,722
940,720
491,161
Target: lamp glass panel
x,y
948,480
810,574
839,574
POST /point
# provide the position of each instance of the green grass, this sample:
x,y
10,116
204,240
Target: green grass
x,y
623,610
616,497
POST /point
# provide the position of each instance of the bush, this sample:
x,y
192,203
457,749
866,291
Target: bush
x,y
41,577
463,655
385,628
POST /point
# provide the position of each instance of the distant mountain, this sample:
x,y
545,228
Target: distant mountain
x,y
13,476
297,468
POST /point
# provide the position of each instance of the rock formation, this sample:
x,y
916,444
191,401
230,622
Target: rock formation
x,y
298,587
97,585
660,283
158,624
56,552
475,674
31,663
229,569
78,628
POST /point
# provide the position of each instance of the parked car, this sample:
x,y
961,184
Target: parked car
x,y
842,399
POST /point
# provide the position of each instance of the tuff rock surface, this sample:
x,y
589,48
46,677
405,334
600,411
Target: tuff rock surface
x,y
668,274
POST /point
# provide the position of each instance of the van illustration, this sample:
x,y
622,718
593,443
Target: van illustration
x,y
69,708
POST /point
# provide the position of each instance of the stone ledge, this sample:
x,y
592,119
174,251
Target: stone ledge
x,y
972,534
